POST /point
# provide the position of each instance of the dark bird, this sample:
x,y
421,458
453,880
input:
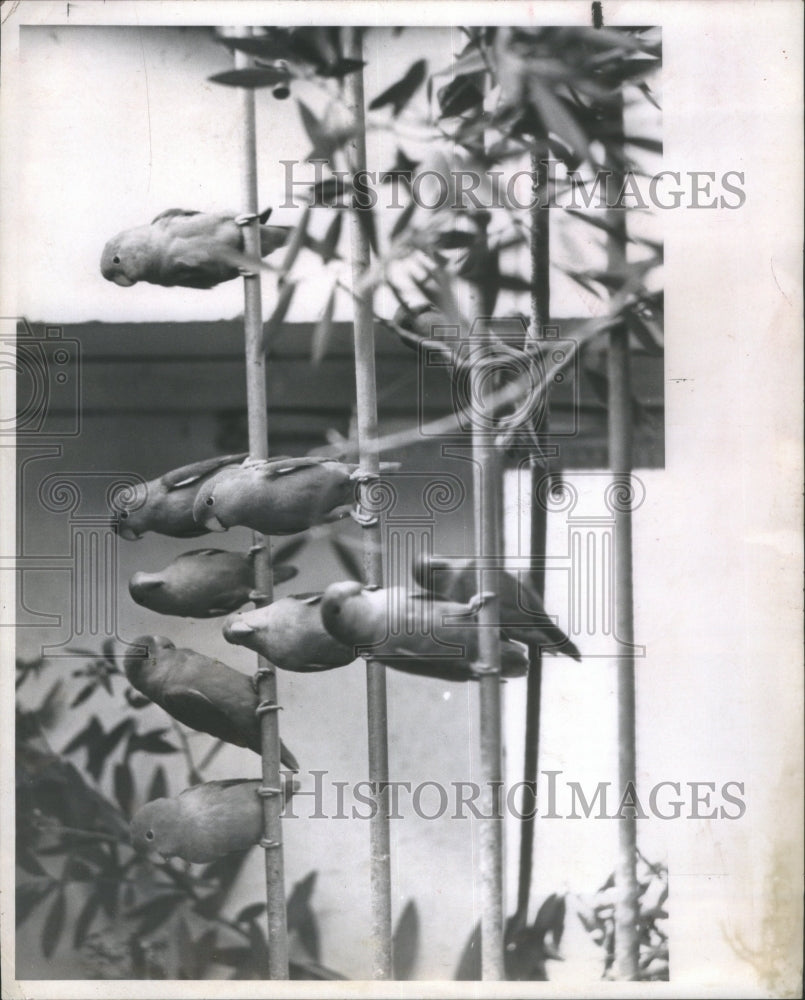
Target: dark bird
x,y
203,583
280,496
203,822
199,692
165,505
181,247
413,632
290,634
521,612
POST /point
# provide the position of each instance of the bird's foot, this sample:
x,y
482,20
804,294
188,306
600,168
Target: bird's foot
x,y
245,218
479,600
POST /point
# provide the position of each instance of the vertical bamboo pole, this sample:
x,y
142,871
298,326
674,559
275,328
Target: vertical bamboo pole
x,y
627,945
540,316
487,482
366,399
258,448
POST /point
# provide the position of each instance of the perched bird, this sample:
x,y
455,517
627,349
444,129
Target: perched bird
x,y
165,505
416,633
203,583
521,612
199,692
203,822
279,496
290,634
181,247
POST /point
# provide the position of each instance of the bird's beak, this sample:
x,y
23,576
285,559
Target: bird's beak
x,y
239,628
123,281
126,532
212,523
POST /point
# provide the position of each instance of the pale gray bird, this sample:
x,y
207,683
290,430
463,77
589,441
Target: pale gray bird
x,y
280,496
202,823
416,633
521,611
165,504
203,583
199,692
290,634
182,247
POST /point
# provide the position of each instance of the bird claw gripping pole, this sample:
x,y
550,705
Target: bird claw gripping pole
x,y
360,515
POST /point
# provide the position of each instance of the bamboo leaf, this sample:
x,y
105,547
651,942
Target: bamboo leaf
x,y
124,787
274,321
251,77
287,550
404,219
54,925
405,942
158,788
346,556
156,911
84,920
401,92
301,917
295,244
323,331
250,912
29,895
83,695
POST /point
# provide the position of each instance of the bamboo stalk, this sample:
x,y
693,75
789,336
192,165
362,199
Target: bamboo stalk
x,y
258,448
487,484
366,404
627,945
540,317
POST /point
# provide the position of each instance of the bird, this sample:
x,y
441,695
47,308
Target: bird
x,y
165,504
413,632
199,692
279,496
187,248
202,583
203,822
290,634
521,611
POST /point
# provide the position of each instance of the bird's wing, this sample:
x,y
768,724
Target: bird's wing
x,y
199,552
172,213
187,702
311,598
186,475
285,466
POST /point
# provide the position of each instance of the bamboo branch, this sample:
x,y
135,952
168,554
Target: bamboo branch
x,y
366,393
258,448
540,317
627,945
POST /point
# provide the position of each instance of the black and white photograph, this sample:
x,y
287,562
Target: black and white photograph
x,y
401,547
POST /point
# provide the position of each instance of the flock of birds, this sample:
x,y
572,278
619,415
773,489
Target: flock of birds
x,y
431,629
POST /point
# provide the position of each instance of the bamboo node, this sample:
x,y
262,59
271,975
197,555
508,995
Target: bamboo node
x,y
268,706
267,792
245,218
268,845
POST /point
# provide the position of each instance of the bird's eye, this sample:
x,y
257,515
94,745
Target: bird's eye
x,y
149,834
209,501
115,260
123,515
